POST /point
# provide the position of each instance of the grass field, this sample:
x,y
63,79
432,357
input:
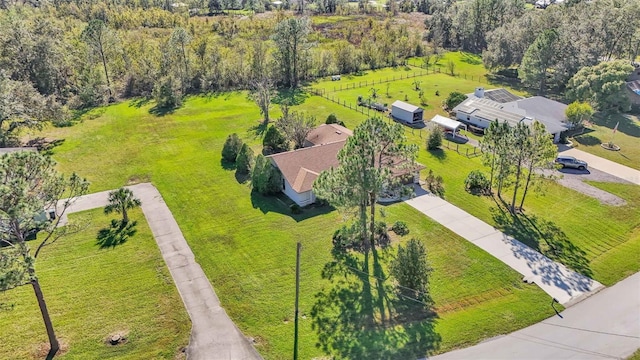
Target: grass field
x,y
246,243
627,137
92,293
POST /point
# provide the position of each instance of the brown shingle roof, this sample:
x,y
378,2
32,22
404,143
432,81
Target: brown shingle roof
x,y
301,167
327,133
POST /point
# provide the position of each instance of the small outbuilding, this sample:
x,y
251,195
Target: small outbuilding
x,y
407,113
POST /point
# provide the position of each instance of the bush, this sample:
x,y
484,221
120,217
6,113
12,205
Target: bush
x,y
265,178
400,228
435,184
274,141
434,141
454,99
231,148
332,119
295,209
244,161
477,183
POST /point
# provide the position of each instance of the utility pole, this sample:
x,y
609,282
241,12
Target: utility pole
x,y
295,326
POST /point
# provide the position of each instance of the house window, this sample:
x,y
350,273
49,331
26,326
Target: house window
x,y
468,118
283,187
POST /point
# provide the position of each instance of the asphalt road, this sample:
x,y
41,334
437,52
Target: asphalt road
x,y
604,326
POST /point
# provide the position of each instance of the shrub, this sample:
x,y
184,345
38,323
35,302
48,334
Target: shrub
x,y
274,141
454,99
434,141
435,184
477,183
332,119
265,178
244,161
231,148
400,228
295,209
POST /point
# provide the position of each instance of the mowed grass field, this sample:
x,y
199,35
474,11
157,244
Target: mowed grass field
x,y
246,243
601,131
92,293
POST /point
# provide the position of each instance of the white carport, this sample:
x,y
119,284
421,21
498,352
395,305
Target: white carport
x,y
448,124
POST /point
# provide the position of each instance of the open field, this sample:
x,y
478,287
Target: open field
x,y
601,131
246,243
93,293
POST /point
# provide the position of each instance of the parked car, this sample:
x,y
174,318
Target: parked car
x,y
571,162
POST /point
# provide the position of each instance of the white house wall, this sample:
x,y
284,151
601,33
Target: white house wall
x,y
302,199
473,120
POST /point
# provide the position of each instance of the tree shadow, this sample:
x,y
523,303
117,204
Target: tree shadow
x,y
471,59
587,140
355,321
242,178
290,97
162,111
44,145
438,154
625,124
116,234
280,204
258,130
140,102
543,236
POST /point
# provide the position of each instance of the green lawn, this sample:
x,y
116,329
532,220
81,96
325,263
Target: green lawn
x,y
601,131
92,293
246,243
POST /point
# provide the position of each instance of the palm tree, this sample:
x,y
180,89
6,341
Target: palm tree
x,y
120,201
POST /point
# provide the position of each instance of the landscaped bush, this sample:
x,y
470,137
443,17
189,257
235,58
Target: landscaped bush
x,y
265,178
400,228
244,161
274,141
231,148
454,99
332,119
295,209
477,183
435,184
434,141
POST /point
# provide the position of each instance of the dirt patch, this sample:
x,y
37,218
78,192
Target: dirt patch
x,y
42,350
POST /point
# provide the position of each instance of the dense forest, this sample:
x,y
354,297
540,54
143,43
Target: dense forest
x,y
64,55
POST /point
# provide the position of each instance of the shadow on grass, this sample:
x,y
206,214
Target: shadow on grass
x,y
543,236
45,146
227,165
280,204
438,154
625,124
140,102
162,111
290,97
242,178
361,317
116,234
587,140
471,59
258,130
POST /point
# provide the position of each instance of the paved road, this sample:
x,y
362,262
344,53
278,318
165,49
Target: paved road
x,y
608,166
213,335
604,326
565,285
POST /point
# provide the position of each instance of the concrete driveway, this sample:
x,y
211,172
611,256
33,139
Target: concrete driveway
x,y
213,335
608,166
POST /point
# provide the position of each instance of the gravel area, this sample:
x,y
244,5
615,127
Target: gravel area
x,y
574,179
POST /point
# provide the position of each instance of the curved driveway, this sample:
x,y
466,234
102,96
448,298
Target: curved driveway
x,y
213,335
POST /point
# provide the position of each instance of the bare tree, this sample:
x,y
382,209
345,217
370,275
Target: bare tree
x,y
261,94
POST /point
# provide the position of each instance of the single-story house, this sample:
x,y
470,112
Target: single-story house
x,y
327,133
407,113
300,168
480,109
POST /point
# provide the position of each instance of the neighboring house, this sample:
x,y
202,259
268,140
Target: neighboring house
x,y
407,113
300,168
483,107
633,85
327,133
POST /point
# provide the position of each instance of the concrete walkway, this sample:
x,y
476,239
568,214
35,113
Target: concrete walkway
x,y
608,166
555,279
213,334
604,326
